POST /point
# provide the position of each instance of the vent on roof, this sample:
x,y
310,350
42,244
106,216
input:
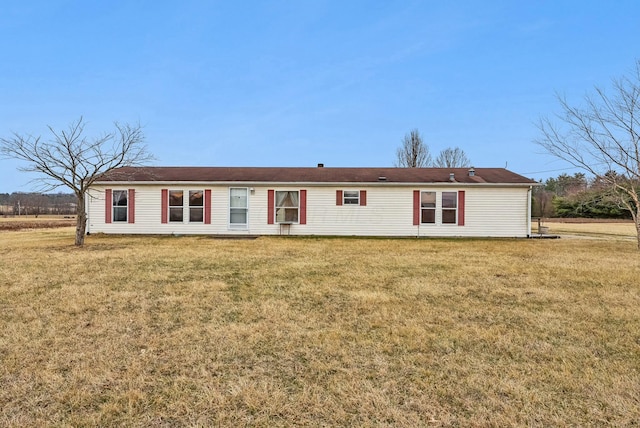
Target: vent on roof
x,y
320,165
452,176
472,172
382,178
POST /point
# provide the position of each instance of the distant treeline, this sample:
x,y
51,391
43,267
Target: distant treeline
x,y
33,204
577,196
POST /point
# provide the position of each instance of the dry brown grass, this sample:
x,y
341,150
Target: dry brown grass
x,y
596,229
32,222
41,217
161,331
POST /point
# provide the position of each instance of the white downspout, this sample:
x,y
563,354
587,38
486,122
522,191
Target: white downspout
x,y
529,212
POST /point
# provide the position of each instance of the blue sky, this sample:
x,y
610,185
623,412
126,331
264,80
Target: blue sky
x,y
295,83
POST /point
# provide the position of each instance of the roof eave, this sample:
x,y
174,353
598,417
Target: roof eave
x,y
314,183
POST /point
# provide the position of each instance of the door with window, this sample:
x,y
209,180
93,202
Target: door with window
x,y
238,207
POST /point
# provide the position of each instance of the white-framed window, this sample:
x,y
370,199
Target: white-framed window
x,y
176,204
196,206
238,206
428,207
351,197
120,205
449,207
194,201
287,206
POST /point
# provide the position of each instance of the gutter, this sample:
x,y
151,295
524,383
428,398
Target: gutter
x,y
313,183
529,192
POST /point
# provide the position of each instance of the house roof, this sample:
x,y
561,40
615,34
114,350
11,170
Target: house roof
x,y
313,175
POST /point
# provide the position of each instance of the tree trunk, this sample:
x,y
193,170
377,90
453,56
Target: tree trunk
x,y
637,221
81,222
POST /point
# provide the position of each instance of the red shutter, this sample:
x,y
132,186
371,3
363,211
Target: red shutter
x,y
363,198
303,207
165,206
461,208
416,207
132,205
338,197
108,205
270,206
207,206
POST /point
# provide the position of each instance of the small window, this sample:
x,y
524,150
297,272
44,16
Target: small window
x,y
238,206
428,207
351,197
196,206
287,206
449,207
176,202
119,205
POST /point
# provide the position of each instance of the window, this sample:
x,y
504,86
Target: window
x,y
351,197
175,205
449,207
196,206
120,207
182,206
428,207
441,208
238,206
287,206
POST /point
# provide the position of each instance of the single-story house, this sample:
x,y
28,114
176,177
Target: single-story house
x,y
418,202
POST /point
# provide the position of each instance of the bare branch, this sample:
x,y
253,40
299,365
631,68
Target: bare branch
x,y
72,160
602,137
452,158
413,153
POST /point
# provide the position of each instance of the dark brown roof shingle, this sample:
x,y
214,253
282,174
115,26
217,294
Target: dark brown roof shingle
x,y
313,175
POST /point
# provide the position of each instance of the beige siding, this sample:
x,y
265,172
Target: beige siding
x,y
489,211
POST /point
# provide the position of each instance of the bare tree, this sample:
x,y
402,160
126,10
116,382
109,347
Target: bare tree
x,y
542,205
413,153
601,136
70,159
452,158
